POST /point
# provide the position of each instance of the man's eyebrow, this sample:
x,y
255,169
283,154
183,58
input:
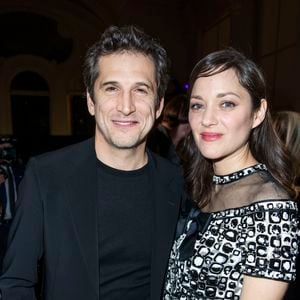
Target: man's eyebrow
x,y
146,84
139,83
108,83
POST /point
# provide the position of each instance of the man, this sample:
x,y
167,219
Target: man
x,y
101,215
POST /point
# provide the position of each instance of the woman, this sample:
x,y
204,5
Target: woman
x,y
240,242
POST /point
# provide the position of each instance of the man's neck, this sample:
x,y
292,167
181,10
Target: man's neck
x,y
122,159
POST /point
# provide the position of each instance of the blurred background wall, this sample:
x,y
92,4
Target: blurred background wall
x,y
42,45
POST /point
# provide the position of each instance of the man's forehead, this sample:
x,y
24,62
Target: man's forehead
x,y
122,55
127,67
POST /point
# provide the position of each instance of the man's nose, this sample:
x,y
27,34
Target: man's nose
x,y
126,104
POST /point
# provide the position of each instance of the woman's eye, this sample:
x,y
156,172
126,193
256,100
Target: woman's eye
x,y
196,106
228,104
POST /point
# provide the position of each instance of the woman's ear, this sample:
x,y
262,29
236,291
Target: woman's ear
x,y
260,113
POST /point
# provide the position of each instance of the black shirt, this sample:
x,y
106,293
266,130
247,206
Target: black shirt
x,y
125,217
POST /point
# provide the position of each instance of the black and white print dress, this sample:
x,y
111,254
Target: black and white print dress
x,y
215,250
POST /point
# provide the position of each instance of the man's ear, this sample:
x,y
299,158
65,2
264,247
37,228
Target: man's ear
x,y
90,104
160,108
260,113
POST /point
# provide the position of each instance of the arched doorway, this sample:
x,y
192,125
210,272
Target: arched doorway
x,y
30,104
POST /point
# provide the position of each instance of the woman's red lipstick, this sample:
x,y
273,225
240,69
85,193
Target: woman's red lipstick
x,y
210,136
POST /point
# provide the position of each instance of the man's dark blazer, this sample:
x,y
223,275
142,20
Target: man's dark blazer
x,y
56,222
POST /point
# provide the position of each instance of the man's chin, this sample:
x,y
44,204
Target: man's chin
x,y
126,145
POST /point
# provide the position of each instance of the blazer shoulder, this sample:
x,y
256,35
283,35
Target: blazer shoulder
x,y
166,169
68,156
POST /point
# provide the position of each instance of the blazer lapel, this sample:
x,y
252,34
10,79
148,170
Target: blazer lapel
x,y
82,200
166,208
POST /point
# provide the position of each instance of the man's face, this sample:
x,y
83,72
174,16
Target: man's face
x,y
124,103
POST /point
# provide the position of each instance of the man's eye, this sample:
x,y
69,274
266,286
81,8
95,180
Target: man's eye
x,y
110,89
141,91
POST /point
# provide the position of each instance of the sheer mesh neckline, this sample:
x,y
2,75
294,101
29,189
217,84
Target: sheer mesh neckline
x,y
224,179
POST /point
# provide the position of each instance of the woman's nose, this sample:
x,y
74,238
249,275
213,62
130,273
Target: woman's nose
x,y
209,117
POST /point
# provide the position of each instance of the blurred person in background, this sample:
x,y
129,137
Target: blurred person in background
x,y
11,173
287,126
175,118
166,137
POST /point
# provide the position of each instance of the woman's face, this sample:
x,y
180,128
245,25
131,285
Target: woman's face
x,y
221,118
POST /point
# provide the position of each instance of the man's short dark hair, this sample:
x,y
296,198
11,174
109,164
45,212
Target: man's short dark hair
x,y
128,38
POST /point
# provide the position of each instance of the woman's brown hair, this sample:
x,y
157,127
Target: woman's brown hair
x,y
264,144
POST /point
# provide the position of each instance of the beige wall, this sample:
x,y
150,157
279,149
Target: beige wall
x,y
268,31
279,52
